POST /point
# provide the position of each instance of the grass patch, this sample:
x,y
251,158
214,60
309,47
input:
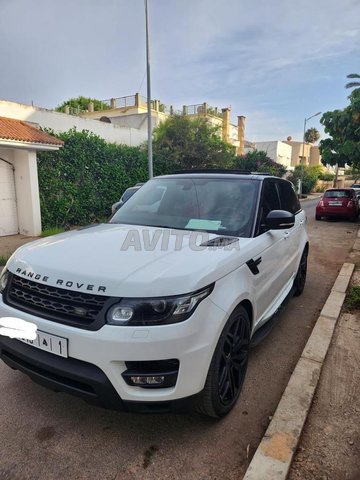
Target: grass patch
x,y
352,300
51,231
4,259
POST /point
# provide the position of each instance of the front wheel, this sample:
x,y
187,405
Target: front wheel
x,y
228,367
300,279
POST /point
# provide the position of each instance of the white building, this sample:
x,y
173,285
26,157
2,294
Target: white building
x,y
278,151
62,122
19,188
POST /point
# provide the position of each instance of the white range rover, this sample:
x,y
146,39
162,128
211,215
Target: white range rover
x,y
156,310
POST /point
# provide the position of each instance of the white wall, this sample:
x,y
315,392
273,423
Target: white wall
x,y
27,189
27,192
61,122
280,152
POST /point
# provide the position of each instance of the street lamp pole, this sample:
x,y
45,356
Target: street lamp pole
x,y
150,157
303,153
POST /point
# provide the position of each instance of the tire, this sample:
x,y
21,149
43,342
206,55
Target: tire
x,y
317,217
228,367
300,279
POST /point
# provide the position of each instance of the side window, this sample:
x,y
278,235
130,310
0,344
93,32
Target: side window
x,y
269,201
288,198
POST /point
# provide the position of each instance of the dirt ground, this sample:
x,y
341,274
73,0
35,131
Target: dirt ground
x,y
330,445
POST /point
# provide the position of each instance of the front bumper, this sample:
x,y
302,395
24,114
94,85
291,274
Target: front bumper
x,y
97,359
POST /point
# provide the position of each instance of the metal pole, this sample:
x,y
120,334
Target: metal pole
x,y
303,153
302,161
150,159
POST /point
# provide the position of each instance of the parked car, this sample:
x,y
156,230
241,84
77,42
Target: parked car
x,y
356,187
338,202
185,276
129,192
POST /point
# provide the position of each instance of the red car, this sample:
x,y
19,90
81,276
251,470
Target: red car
x,y
338,202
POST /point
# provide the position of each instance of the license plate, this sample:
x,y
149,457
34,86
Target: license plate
x,y
335,204
49,343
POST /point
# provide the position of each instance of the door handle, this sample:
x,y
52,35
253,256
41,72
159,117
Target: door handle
x,y
286,234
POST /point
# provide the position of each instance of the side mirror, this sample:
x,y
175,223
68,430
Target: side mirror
x,y
279,220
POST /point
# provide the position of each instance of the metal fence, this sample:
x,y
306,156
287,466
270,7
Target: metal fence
x,y
120,102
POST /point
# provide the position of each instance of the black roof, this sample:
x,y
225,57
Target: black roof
x,y
217,173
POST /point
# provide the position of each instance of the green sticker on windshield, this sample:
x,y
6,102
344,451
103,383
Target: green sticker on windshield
x,y
199,224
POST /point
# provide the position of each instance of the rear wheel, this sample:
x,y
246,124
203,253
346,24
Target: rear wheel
x,y
300,279
228,366
317,217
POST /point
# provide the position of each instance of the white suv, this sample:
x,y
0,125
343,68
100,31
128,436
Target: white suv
x,y
156,310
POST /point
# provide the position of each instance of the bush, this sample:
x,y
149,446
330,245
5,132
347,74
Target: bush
x,y
352,300
310,176
326,177
258,161
79,183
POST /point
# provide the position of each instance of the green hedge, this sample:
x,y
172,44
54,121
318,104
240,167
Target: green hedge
x,y
79,183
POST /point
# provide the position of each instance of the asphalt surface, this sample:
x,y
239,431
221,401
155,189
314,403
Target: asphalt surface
x,y
46,435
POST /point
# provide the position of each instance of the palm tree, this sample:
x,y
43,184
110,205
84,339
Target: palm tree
x,y
353,84
311,135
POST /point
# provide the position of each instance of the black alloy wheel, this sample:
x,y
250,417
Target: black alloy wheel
x,y
300,279
228,366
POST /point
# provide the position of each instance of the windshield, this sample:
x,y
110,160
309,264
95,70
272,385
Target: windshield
x,y
217,205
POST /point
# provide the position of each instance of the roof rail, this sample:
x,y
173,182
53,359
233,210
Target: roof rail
x,y
220,170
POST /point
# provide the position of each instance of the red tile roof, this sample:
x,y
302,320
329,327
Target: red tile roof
x,y
19,131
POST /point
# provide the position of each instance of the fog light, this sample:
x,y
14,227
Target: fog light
x,y
153,380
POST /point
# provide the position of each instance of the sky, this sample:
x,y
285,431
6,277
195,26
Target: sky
x,y
276,62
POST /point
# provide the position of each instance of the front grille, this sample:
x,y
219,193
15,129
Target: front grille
x,y
84,310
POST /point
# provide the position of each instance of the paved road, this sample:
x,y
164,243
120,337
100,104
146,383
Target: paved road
x,y
45,436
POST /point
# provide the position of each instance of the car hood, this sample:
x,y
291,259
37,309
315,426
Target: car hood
x,y
118,260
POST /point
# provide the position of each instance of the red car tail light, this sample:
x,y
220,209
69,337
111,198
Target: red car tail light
x,y
321,203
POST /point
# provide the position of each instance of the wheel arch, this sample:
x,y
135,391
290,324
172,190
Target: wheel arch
x,y
249,310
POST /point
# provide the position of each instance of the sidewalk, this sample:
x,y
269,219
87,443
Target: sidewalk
x,y
314,433
10,243
311,196
329,447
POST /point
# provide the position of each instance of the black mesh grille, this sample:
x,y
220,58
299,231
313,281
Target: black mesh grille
x,y
84,310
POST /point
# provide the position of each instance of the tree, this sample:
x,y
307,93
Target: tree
x,y
191,143
82,103
311,135
353,84
354,173
258,161
309,176
343,127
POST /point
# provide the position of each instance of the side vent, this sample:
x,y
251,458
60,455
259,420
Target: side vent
x,y
219,242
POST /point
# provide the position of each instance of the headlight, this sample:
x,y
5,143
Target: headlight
x,y
156,311
4,277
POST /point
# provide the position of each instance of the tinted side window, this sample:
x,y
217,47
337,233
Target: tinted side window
x,y
269,201
288,198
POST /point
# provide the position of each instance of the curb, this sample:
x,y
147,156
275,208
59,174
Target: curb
x,y
273,457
